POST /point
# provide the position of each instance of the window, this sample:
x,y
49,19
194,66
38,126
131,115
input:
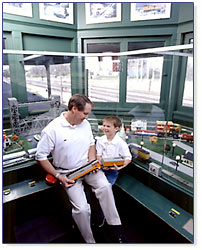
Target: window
x,y
36,83
7,93
188,85
144,74
61,79
103,73
51,78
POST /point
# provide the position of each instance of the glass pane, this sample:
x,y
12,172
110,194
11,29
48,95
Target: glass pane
x,y
188,87
7,93
61,81
6,86
144,79
44,81
103,73
156,140
36,82
103,79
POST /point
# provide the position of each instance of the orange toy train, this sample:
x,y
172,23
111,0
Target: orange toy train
x,y
77,173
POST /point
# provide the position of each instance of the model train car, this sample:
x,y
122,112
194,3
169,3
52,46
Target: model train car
x,y
186,137
74,175
84,170
139,153
14,158
109,162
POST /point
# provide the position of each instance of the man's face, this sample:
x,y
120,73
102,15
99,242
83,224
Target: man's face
x,y
79,116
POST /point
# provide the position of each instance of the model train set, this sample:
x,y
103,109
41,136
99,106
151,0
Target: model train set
x,y
162,149
170,146
132,61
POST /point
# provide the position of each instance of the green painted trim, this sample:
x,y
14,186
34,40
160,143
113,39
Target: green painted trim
x,y
156,203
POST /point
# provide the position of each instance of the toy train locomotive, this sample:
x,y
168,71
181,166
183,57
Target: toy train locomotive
x,y
109,162
80,172
84,170
139,153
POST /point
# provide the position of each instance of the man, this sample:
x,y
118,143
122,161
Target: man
x,y
70,141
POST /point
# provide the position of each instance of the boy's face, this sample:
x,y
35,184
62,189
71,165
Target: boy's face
x,y
109,129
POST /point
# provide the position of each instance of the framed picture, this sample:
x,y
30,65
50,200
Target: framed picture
x,y
22,9
149,11
103,12
57,12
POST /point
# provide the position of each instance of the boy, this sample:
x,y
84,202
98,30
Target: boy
x,y
111,145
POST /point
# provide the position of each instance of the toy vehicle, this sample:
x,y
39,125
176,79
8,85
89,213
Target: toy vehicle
x,y
139,153
187,137
84,170
153,139
77,173
163,127
14,158
145,132
109,162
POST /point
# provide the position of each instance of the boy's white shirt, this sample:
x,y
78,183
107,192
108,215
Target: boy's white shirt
x,y
115,148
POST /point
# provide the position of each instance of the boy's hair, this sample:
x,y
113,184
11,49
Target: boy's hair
x,y
79,101
114,120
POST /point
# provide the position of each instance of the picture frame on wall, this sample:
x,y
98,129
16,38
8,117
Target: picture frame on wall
x,y
102,12
22,9
57,12
150,11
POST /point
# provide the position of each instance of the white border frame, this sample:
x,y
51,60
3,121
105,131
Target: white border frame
x,y
136,16
127,53
91,20
21,11
43,16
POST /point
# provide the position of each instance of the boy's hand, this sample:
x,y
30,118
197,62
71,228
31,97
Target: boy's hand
x,y
115,167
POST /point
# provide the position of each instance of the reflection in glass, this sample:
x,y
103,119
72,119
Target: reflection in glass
x,y
6,85
103,72
188,87
60,82
103,78
36,82
144,79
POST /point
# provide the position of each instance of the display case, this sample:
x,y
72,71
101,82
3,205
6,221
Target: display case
x,y
143,86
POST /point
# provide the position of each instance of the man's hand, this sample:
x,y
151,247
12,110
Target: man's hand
x,y
65,181
95,170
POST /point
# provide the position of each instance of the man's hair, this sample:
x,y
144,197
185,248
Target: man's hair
x,y
114,120
79,101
